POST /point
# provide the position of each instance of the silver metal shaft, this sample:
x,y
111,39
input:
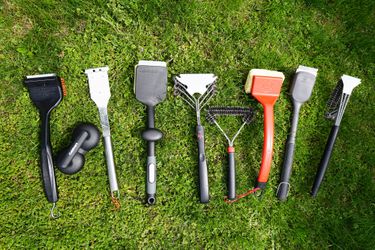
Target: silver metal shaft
x,y
108,151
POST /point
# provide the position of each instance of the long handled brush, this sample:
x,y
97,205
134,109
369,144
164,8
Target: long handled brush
x,y
247,115
336,108
196,90
150,87
100,94
46,92
301,89
265,86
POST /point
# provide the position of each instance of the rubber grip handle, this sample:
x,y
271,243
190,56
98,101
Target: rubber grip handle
x,y
283,189
203,172
151,180
48,172
325,160
231,175
265,166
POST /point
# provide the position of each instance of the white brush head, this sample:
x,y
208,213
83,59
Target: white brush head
x,y
261,72
349,83
196,83
99,85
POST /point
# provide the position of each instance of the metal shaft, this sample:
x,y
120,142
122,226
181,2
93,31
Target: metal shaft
x,y
108,150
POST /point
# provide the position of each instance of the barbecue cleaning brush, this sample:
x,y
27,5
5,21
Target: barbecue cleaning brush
x,y
247,115
335,111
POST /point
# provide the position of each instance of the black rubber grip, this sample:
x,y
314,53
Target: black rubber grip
x,y
48,172
282,191
231,177
151,135
325,160
203,172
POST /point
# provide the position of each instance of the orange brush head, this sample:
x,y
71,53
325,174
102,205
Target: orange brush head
x,y
264,85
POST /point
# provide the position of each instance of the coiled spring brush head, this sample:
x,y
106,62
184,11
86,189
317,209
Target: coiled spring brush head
x,y
246,113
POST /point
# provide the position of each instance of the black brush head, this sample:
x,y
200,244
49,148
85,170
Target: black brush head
x,y
246,113
333,102
178,88
46,91
150,83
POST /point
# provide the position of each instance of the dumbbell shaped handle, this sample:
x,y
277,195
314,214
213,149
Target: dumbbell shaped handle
x,y
72,150
71,159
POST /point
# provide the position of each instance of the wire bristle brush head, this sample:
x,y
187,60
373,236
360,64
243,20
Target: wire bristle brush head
x,y
333,102
340,96
246,113
195,89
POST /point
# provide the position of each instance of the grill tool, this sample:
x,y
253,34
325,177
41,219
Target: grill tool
x,y
150,86
335,111
100,94
46,92
196,90
301,89
247,115
265,86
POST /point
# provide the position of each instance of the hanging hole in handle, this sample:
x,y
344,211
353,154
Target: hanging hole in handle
x,y
151,200
115,194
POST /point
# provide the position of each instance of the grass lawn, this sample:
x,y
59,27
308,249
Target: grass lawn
x,y
227,38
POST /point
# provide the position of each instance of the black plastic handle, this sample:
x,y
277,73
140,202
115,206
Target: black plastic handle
x,y
231,175
203,172
283,189
151,135
325,160
48,172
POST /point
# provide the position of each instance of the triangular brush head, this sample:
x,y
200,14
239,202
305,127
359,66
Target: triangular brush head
x,y
196,83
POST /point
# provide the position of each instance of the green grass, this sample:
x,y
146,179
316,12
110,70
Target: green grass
x,y
227,38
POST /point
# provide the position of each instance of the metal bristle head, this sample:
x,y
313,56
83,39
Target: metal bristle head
x,y
333,102
176,92
210,117
246,113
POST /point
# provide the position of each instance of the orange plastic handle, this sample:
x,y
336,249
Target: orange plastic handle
x,y
266,90
265,166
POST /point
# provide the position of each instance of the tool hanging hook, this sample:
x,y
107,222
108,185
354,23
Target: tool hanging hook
x,y
52,213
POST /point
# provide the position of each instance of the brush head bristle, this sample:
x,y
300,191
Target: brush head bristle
x,y
333,102
45,90
246,113
63,86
